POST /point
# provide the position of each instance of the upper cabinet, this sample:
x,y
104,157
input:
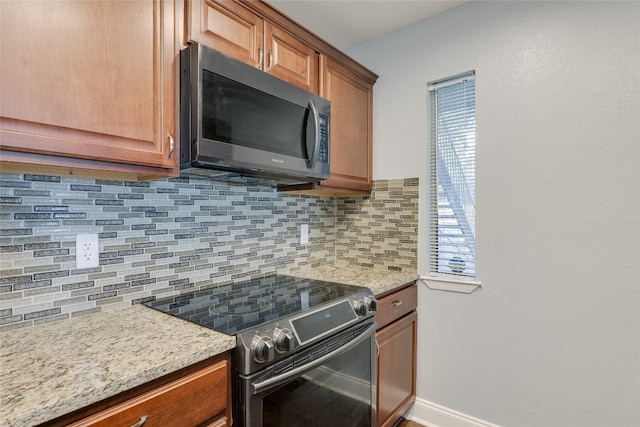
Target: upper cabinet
x,y
236,31
89,87
290,59
257,34
351,99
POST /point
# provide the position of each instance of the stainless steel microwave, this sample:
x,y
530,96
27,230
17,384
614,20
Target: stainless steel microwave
x,y
238,121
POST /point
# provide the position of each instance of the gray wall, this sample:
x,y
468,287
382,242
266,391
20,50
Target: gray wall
x,y
552,337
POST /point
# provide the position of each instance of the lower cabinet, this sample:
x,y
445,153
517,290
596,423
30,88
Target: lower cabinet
x,y
199,398
396,359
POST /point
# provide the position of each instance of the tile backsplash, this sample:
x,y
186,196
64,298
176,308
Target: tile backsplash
x,y
381,230
160,238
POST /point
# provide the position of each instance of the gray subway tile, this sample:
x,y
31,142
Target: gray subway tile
x,y
11,319
42,313
51,208
108,202
41,178
78,285
101,295
85,187
10,200
50,252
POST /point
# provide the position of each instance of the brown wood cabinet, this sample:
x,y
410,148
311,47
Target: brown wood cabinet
x,y
351,99
256,33
396,361
235,30
200,397
89,86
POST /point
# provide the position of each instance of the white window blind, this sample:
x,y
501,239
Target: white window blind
x,y
452,165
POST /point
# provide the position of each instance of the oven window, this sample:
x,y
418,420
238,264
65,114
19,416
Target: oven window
x,y
338,393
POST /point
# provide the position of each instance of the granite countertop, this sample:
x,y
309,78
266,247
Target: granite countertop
x,y
53,369
379,281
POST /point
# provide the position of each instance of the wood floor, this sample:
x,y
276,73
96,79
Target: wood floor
x,y
407,423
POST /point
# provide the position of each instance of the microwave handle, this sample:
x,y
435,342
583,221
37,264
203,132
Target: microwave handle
x,y
316,147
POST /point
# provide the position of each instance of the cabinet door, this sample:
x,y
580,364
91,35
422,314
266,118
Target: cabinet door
x,y
198,398
228,28
88,80
351,126
395,305
396,369
289,59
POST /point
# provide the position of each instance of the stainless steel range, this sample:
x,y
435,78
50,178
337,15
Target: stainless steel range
x,y
305,348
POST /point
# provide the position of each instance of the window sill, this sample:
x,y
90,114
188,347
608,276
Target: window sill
x,y
451,284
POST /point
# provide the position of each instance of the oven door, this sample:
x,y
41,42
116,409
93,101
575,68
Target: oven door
x,y
332,383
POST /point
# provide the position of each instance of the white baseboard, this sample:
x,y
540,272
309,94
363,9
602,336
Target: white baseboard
x,y
434,415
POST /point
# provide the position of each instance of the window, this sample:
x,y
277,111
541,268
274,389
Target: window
x,y
452,191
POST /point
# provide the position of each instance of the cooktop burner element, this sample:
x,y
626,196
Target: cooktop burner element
x,y
235,308
315,291
273,316
239,309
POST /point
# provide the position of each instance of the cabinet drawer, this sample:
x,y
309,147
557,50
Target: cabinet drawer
x,y
188,401
396,305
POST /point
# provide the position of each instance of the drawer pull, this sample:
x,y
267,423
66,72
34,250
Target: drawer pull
x,y
396,303
140,423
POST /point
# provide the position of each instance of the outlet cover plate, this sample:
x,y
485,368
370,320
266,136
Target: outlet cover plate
x,y
87,251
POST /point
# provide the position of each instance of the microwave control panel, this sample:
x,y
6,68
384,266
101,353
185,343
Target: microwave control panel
x,y
324,140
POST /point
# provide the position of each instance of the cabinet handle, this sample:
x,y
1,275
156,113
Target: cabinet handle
x,y
270,65
172,145
396,303
140,423
260,57
377,349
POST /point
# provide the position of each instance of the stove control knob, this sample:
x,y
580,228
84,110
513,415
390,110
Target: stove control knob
x,y
371,303
262,348
283,339
360,307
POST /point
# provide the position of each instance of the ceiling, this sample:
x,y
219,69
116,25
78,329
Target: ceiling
x,y
347,23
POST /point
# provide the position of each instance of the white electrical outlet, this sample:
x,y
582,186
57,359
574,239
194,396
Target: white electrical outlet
x,y
304,234
87,253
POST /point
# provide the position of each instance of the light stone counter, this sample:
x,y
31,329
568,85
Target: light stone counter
x,y
50,370
378,280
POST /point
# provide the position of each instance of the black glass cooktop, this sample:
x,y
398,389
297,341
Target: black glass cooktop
x,y
234,308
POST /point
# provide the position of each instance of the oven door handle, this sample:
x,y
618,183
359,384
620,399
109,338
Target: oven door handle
x,y
283,378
